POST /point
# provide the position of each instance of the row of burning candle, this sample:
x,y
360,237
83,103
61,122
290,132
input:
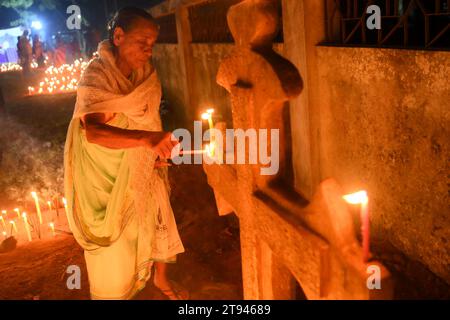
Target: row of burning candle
x,y
62,79
24,217
8,67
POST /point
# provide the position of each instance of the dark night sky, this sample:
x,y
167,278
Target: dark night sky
x,y
93,11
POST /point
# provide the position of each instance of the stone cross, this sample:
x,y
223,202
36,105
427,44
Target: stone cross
x,y
284,238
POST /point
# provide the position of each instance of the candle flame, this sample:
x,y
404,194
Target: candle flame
x,y
210,111
24,215
33,194
64,201
206,116
359,197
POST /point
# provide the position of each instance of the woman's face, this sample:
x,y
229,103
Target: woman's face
x,y
135,46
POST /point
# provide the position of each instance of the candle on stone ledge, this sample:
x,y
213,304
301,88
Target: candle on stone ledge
x,y
362,199
38,208
208,116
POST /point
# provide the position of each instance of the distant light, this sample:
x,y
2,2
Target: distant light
x,y
36,25
5,45
79,16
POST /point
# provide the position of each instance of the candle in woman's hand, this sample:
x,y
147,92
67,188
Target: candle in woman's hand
x,y
362,199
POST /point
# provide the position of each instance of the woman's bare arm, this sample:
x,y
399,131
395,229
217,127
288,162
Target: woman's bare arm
x,y
98,132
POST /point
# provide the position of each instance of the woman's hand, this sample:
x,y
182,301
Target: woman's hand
x,y
161,143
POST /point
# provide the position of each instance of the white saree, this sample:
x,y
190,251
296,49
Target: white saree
x,y
118,203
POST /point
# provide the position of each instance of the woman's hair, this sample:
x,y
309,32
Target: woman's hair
x,y
125,19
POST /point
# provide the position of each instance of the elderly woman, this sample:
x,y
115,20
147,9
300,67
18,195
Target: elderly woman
x,y
115,182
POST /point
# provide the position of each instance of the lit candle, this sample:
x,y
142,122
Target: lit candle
x,y
27,227
5,234
362,199
4,213
13,225
3,222
65,207
16,210
38,208
208,116
49,203
192,152
52,226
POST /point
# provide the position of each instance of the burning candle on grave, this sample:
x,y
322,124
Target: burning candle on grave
x,y
3,222
16,210
65,207
5,235
27,226
13,224
38,208
362,199
52,226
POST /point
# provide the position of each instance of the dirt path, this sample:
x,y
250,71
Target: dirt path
x,y
210,268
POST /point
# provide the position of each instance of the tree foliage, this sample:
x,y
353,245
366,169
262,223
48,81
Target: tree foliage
x,y
22,6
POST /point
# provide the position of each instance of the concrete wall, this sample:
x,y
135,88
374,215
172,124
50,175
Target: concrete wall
x,y
384,127
167,64
206,60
